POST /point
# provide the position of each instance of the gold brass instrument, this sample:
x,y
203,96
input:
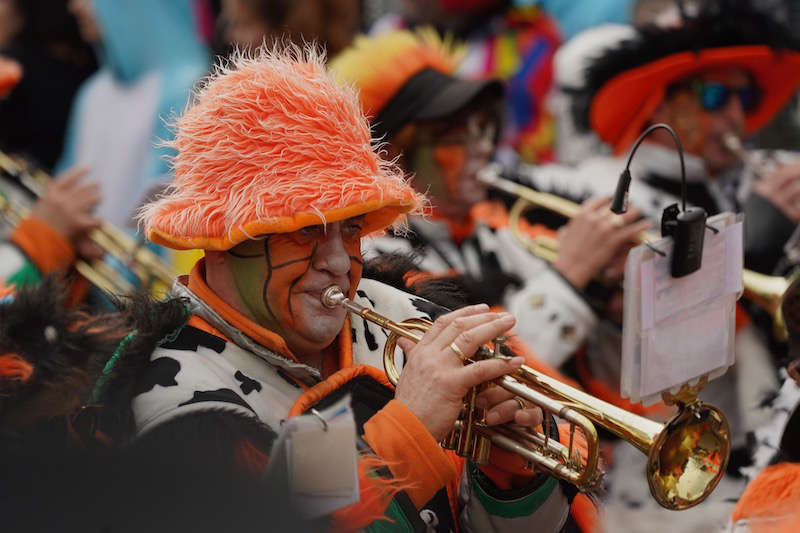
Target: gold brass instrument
x,y
765,291
687,456
145,265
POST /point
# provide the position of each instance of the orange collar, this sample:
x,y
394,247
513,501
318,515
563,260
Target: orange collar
x,y
267,338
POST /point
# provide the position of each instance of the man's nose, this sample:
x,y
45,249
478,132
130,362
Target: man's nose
x,y
734,112
331,255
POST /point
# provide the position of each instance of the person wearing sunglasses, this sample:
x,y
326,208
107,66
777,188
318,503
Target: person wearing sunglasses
x,y
722,74
725,71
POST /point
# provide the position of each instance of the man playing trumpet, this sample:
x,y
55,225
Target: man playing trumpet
x,y
277,180
717,78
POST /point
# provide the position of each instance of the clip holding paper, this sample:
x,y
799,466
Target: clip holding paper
x,y
322,420
687,229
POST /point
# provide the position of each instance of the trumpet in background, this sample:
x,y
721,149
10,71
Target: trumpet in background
x,y
148,269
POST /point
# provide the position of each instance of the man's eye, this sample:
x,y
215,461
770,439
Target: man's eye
x,y
310,231
353,229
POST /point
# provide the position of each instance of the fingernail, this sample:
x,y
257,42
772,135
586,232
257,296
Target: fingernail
x,y
492,418
516,360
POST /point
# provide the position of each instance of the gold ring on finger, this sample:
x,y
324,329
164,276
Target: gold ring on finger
x,y
459,353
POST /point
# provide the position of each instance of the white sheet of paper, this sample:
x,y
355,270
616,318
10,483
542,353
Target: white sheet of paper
x,y
319,468
678,329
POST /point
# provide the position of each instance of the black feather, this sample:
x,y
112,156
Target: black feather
x,y
67,348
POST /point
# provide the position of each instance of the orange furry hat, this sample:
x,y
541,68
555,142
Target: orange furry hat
x,y
272,144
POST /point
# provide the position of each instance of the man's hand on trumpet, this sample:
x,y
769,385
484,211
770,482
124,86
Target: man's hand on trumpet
x,y
435,379
596,241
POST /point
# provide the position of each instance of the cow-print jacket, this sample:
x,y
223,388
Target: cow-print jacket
x,y
194,372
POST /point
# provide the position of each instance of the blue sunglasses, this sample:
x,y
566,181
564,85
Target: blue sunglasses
x,y
715,96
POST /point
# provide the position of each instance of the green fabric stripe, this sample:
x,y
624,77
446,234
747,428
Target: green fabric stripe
x,y
100,384
399,523
524,506
25,277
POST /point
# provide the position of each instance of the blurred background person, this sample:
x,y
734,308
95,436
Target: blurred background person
x,y
247,23
443,130
42,36
511,42
151,54
55,231
728,69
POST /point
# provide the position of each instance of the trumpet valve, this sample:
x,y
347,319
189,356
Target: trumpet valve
x,y
480,450
450,442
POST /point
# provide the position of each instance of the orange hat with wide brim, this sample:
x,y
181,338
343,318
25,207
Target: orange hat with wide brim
x,y
273,144
623,105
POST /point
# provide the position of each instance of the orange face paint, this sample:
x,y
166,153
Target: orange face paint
x,y
278,275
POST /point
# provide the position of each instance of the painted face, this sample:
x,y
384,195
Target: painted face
x,y
445,157
701,126
280,280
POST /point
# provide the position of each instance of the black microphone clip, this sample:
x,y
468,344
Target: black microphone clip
x,y
686,227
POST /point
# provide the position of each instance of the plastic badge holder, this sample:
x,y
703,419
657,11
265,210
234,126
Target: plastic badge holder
x,y
677,330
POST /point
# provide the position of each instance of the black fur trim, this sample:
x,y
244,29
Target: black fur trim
x,y
720,24
452,292
67,348
154,322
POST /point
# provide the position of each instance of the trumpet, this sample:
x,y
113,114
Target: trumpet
x,y
687,456
145,265
765,291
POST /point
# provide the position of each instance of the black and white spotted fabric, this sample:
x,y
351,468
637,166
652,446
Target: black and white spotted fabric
x,y
199,371
766,439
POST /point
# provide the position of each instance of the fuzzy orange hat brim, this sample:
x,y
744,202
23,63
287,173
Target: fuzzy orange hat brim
x,y
622,107
273,144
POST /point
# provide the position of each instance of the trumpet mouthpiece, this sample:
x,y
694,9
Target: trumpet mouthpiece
x,y
732,142
332,297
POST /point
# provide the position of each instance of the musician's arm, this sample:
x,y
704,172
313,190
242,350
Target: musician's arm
x,y
33,250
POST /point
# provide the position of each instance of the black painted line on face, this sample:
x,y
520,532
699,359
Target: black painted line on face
x,y
243,256
271,268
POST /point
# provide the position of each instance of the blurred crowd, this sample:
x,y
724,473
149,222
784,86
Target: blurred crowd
x,y
110,108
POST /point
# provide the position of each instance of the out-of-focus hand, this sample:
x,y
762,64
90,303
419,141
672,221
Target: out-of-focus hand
x,y
66,205
596,241
434,380
782,189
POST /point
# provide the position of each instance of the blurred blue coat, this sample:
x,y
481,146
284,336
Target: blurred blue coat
x,y
151,56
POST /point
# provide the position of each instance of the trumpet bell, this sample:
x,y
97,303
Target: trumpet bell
x,y
689,457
